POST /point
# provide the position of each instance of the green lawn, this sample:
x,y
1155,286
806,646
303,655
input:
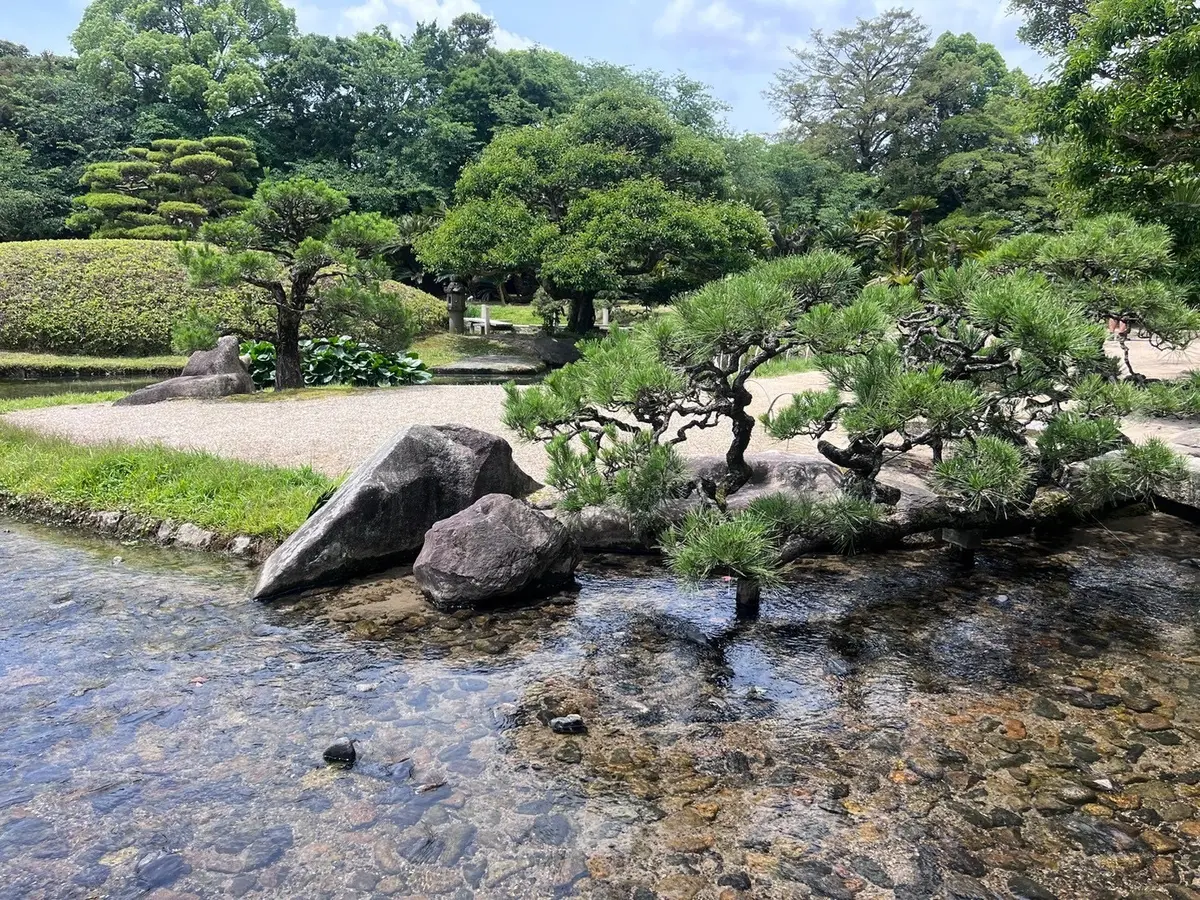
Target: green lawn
x,y
222,495
441,349
7,406
52,365
786,365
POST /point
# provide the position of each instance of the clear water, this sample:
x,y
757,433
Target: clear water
x,y
160,735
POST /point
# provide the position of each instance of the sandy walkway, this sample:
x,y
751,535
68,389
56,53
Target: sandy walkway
x,y
334,434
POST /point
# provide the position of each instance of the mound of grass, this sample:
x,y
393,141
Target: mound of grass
x,y
51,365
103,297
221,495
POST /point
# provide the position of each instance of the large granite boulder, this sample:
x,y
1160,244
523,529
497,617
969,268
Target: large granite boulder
x,y
495,549
773,473
379,517
208,375
224,359
190,387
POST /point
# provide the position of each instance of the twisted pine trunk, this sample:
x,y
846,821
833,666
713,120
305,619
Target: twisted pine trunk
x,y
288,374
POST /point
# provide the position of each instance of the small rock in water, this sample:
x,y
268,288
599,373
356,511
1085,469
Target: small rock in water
x,y
754,692
117,560
341,754
572,724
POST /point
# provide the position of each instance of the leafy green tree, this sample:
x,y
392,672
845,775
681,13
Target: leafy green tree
x,y
202,56
797,192
848,92
614,197
968,142
167,190
298,244
58,124
1125,108
1050,24
30,205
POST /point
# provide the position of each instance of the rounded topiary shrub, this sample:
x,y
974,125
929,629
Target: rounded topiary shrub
x,y
104,297
426,313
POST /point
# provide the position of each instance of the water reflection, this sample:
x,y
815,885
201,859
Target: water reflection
x,y
158,731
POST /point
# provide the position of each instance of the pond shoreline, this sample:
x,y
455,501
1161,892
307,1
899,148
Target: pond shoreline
x,y
162,533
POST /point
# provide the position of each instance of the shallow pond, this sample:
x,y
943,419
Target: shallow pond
x,y
890,727
13,389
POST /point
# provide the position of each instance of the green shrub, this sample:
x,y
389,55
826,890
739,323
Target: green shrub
x,y
426,313
340,360
105,297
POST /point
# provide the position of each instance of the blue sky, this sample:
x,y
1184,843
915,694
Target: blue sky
x,y
734,45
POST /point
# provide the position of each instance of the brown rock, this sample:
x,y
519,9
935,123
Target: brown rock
x,y
707,811
694,842
1015,729
1162,870
1152,722
679,887
1159,842
1121,801
1190,829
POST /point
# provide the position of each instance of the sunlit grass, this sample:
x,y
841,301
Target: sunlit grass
x,y
222,495
443,349
786,365
7,406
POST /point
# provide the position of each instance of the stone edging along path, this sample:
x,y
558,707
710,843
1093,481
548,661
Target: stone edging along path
x,y
115,524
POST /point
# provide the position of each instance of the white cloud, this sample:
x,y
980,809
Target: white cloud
x,y
403,15
751,34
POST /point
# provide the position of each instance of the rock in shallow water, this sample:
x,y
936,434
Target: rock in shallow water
x,y
497,548
572,724
341,754
379,517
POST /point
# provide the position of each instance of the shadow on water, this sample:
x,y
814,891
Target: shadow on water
x,y
157,730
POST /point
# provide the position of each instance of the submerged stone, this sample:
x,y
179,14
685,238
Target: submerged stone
x,y
341,753
572,724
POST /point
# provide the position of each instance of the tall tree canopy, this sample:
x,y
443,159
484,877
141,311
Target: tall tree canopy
x,y
616,196
1126,108
847,91
200,58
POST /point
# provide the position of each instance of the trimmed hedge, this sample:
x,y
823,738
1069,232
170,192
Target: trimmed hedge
x,y
428,314
101,297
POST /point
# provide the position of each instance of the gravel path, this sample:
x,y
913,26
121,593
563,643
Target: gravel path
x,y
334,434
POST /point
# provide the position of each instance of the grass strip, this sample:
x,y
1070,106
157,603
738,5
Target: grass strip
x,y
221,495
50,365
42,401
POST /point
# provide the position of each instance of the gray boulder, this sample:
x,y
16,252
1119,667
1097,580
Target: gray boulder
x,y
379,517
554,351
221,360
496,549
772,473
191,387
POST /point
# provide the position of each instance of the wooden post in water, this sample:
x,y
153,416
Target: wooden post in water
x,y
749,597
962,544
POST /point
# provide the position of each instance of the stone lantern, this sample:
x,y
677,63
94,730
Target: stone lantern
x,y
456,301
